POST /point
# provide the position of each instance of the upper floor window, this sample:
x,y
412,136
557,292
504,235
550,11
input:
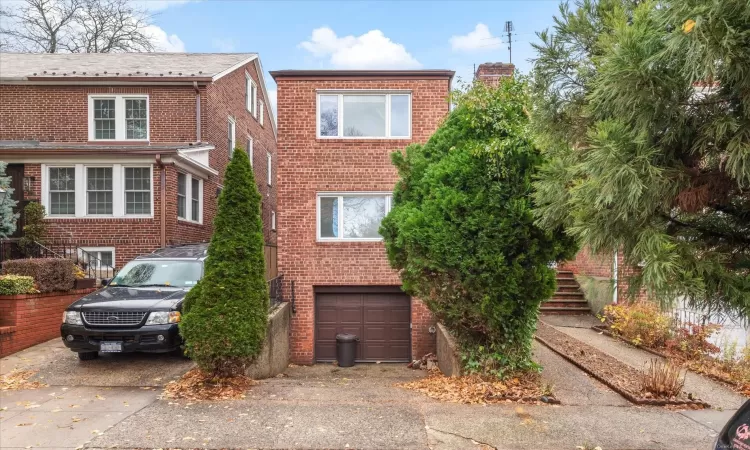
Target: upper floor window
x,y
189,198
261,111
251,95
369,114
269,168
118,118
250,149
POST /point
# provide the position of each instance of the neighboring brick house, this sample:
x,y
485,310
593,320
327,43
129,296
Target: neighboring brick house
x,y
127,152
337,130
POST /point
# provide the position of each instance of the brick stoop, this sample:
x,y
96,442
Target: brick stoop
x,y
568,298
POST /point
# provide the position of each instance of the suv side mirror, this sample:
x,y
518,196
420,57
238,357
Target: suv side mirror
x,y
106,281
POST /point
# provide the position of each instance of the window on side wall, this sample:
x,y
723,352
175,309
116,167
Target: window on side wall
x,y
351,216
261,111
99,257
273,220
189,198
118,118
364,115
269,168
250,149
230,136
251,95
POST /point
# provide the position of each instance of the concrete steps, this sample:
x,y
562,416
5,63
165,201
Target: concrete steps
x,y
568,298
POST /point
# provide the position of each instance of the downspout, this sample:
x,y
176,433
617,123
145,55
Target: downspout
x,y
163,198
197,112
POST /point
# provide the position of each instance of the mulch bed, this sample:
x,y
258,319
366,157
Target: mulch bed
x,y
619,376
19,380
702,367
197,385
475,389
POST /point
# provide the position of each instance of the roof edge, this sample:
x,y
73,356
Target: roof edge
x,y
421,73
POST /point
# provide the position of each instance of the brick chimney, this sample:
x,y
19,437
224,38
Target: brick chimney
x,y
491,73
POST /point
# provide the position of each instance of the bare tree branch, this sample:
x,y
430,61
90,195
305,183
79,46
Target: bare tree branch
x,y
76,26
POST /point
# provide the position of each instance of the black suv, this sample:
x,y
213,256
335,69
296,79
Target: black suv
x,y
139,309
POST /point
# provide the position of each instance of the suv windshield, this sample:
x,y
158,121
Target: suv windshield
x,y
141,273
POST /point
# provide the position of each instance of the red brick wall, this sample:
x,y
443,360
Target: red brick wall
x,y
60,113
308,166
27,320
602,265
226,97
491,73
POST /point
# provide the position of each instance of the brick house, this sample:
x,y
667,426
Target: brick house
x,y
127,152
336,132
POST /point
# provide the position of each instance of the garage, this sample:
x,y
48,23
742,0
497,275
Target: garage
x,y
379,316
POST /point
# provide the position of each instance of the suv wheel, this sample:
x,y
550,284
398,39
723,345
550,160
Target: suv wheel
x,y
87,356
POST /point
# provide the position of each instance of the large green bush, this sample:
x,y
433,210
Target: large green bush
x,y
225,314
461,230
16,284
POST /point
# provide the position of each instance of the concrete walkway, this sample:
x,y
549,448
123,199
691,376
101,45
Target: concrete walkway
x,y
326,406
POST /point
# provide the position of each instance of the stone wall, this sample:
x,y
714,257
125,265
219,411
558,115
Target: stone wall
x,y
449,361
274,357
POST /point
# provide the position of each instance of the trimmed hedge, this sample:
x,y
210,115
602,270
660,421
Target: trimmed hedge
x,y
50,274
16,284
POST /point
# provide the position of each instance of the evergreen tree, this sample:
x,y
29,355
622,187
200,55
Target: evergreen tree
x,y
461,230
226,313
7,217
643,110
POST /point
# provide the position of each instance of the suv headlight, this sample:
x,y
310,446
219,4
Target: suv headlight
x,y
72,318
163,317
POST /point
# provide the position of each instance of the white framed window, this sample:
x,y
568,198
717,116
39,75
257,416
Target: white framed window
x,y
269,168
231,125
98,190
364,115
251,95
98,256
261,111
189,198
250,144
351,216
273,220
118,117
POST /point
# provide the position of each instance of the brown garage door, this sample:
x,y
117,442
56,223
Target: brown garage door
x,y
382,320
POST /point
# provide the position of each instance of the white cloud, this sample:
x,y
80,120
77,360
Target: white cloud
x,y
479,39
223,45
372,50
164,42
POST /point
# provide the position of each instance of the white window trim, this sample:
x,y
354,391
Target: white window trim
x,y
118,191
273,220
249,149
341,195
189,199
98,250
251,103
120,123
340,94
269,169
232,146
261,111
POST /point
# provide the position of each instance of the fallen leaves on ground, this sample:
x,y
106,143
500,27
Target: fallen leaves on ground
x,y
198,385
19,380
475,389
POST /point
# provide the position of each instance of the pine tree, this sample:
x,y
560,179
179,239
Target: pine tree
x,y
643,110
7,217
226,313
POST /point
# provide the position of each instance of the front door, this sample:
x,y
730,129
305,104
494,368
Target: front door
x,y
15,172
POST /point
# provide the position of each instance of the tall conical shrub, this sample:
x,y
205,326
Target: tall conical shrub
x,y
226,313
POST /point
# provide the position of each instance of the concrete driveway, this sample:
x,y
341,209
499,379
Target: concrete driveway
x,y
114,404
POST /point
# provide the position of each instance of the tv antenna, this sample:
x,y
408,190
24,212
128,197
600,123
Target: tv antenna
x,y
509,29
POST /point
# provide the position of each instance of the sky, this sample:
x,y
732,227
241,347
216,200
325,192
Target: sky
x,y
311,34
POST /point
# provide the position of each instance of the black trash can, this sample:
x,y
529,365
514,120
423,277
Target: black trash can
x,y
346,349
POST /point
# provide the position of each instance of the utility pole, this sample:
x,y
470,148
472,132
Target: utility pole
x,y
509,30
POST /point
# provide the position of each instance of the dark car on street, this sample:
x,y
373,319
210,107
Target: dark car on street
x,y
139,309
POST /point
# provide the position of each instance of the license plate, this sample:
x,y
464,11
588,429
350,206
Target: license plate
x,y
110,347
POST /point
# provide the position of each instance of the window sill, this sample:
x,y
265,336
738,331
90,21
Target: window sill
x,y
115,141
189,222
344,241
55,217
362,139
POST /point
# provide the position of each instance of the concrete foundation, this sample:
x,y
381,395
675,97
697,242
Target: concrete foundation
x,y
449,360
274,358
